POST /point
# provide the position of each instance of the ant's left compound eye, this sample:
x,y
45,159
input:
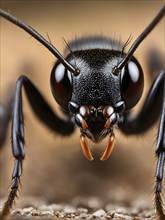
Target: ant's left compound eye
x,y
61,85
132,83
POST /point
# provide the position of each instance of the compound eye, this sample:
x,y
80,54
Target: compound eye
x,y
61,85
132,83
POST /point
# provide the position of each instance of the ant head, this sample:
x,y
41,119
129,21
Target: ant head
x,y
97,97
96,84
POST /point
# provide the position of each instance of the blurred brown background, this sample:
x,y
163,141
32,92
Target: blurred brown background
x,y
55,168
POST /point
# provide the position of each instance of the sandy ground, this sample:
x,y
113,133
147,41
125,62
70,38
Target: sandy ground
x,y
84,208
58,182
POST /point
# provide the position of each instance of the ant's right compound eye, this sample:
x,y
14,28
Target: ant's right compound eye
x,y
61,85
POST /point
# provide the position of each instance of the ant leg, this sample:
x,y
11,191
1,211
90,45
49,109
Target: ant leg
x,y
17,138
48,117
150,112
160,152
44,112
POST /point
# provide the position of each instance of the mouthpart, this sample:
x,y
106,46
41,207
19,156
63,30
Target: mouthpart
x,y
96,124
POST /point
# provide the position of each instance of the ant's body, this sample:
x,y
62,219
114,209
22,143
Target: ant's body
x,y
96,87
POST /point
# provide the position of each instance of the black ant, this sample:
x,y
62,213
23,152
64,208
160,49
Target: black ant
x,y
96,87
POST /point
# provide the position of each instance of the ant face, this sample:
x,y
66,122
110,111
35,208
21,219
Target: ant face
x,y
96,97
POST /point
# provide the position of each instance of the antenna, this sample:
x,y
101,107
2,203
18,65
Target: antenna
x,y
138,41
41,39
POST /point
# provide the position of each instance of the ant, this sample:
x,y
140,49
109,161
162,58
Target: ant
x,y
96,87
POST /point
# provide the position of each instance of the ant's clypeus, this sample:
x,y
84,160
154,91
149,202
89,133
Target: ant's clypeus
x,y
96,87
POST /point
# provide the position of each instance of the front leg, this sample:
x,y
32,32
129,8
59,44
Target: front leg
x,y
160,152
45,114
153,108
